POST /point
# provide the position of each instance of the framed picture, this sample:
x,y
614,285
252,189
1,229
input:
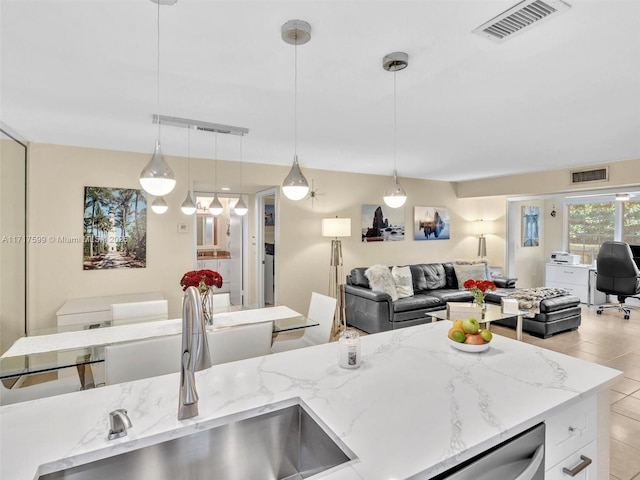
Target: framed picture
x,y
382,224
115,228
431,223
269,215
530,226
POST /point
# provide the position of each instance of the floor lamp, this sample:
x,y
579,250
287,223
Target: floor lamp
x,y
336,227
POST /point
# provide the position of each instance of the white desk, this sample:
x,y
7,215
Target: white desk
x,y
578,280
80,311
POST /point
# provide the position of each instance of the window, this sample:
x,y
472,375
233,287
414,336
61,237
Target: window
x,y
590,224
631,222
595,222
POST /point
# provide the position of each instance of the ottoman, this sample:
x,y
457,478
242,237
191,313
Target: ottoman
x,y
557,314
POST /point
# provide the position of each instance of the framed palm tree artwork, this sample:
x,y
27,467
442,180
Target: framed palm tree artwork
x,y
115,228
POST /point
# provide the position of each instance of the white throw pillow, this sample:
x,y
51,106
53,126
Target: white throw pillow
x,y
403,280
380,280
477,271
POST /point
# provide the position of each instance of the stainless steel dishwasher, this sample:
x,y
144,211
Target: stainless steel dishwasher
x,y
519,458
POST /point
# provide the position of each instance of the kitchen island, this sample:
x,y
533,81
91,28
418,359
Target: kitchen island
x,y
415,408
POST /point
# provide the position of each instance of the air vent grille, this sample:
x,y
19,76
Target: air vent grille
x,y
520,17
595,175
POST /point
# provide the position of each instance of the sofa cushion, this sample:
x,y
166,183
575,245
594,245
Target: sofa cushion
x,y
380,279
428,276
402,279
417,302
477,271
452,295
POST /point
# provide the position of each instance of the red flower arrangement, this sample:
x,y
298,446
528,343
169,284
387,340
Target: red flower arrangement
x,y
478,288
202,279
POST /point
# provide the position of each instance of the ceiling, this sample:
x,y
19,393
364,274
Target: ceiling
x,y
565,93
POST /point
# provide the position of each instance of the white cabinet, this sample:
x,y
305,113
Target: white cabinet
x,y
570,441
585,456
222,266
578,280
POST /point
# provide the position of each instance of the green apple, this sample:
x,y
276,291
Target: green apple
x,y
486,335
470,325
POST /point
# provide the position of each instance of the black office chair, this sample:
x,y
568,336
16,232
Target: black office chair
x,y
617,275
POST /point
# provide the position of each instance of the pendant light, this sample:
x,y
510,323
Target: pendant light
x,y
215,207
240,208
295,186
394,195
188,206
156,177
159,206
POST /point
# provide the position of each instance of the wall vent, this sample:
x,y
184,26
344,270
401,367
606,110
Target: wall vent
x,y
520,17
595,175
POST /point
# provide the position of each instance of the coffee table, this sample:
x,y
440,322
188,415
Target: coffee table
x,y
492,313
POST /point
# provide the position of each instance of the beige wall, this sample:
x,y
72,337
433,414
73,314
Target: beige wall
x,y
58,175
621,174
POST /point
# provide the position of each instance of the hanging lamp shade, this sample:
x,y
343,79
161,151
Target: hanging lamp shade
x,y
240,207
159,206
394,195
156,177
216,207
188,207
295,185
295,32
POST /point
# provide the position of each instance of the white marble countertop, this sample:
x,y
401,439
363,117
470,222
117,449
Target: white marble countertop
x,y
416,405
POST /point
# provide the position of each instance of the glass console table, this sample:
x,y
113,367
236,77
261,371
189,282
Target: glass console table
x,y
493,312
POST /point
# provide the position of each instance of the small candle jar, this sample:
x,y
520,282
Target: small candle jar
x,y
349,355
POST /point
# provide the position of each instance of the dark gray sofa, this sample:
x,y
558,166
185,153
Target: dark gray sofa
x,y
434,285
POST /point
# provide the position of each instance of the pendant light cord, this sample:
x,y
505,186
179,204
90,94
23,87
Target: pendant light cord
x,y
295,96
241,165
215,164
158,72
189,158
395,126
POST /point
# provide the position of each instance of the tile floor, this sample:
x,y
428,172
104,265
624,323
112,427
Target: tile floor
x,y
609,340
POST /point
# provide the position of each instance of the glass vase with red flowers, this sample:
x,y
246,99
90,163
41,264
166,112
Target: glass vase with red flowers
x,y
204,280
479,288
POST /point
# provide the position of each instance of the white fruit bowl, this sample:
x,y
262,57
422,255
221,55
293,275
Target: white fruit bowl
x,y
465,347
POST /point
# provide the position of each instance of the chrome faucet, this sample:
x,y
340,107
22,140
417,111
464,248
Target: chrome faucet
x,y
119,422
195,352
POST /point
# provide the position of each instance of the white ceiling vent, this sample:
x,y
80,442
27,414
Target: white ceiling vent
x,y
595,175
520,17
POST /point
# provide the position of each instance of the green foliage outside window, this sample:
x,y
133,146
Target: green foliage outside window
x,y
590,224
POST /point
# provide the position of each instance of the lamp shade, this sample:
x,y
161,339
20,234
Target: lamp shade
x,y
159,206
216,207
295,185
336,227
157,177
240,208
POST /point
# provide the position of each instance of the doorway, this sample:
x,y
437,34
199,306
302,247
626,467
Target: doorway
x,y
221,244
267,246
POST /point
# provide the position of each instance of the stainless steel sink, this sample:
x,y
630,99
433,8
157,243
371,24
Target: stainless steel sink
x,y
282,444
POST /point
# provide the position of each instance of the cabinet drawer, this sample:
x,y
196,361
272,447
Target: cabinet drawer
x,y
590,472
580,291
567,274
570,430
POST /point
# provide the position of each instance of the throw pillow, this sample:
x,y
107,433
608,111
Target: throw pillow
x,y
476,271
380,280
403,280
